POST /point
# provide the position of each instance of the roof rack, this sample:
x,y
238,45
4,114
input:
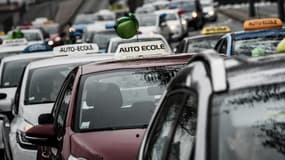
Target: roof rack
x,y
215,67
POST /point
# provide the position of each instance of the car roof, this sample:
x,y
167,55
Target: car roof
x,y
69,59
249,72
27,56
135,63
204,36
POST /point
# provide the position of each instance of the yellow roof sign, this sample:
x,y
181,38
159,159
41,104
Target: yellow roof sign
x,y
265,23
215,30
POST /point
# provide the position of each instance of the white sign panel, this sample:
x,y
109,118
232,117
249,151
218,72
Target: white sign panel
x,y
141,49
15,42
76,49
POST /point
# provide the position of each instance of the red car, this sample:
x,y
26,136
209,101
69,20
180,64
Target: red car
x,y
103,109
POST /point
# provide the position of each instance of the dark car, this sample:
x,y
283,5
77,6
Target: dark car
x,y
222,109
193,12
102,109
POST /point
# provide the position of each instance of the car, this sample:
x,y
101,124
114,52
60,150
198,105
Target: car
x,y
100,33
39,86
209,10
105,116
221,108
152,23
114,43
207,40
177,25
33,36
260,37
193,12
11,69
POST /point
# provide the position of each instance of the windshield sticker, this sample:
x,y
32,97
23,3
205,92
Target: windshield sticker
x,y
85,125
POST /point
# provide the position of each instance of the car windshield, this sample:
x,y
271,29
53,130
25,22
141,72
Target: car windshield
x,y
171,17
32,36
115,44
257,44
102,38
147,19
248,124
43,84
121,99
187,6
195,45
12,72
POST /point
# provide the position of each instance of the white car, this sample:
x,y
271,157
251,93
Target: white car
x,y
209,10
115,42
100,33
11,69
177,25
38,90
152,23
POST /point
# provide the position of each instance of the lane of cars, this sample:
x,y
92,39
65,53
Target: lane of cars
x,y
111,98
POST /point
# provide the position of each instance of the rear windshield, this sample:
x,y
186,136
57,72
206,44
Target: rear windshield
x,y
196,45
147,19
258,44
248,124
12,72
122,99
33,36
102,38
43,84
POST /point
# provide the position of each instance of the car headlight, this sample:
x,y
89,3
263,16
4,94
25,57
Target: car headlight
x,y
172,27
74,158
211,13
184,22
194,14
50,43
21,137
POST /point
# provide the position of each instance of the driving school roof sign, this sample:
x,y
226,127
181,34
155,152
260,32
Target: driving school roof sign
x,y
15,42
77,49
141,49
265,23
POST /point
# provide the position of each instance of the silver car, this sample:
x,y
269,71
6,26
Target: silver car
x,y
38,90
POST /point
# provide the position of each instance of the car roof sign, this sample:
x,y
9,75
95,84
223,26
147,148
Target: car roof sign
x,y
215,30
38,47
141,49
76,49
265,23
15,42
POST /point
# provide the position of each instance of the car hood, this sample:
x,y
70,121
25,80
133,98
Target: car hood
x,y
108,145
32,112
5,104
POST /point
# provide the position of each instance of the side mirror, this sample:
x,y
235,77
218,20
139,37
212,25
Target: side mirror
x,y
45,119
42,135
3,96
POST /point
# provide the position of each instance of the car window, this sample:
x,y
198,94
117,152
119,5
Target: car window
x,y
43,84
121,99
63,102
12,72
248,124
195,45
172,133
257,44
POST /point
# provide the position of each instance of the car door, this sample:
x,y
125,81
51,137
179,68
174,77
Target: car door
x,y
59,112
174,128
